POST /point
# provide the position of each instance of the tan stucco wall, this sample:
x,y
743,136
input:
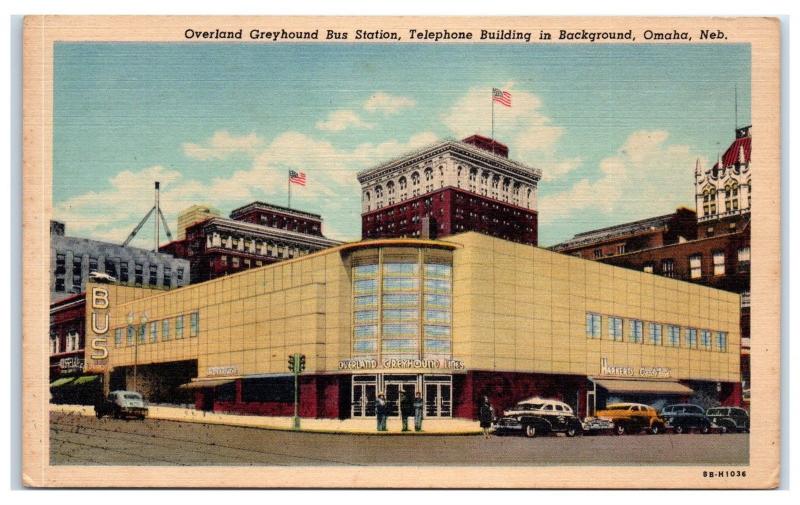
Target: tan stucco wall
x,y
521,308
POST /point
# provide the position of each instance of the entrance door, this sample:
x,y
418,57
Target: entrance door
x,y
393,388
364,400
438,400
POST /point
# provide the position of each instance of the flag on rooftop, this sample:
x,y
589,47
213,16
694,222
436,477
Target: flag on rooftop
x,y
297,177
501,97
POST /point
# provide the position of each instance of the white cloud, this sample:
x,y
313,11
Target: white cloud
x,y
631,182
332,188
388,104
340,120
221,145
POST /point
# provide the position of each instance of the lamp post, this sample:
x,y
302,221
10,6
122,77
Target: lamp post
x,y
137,332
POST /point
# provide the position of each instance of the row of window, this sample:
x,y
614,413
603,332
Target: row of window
x,y
657,334
254,246
115,267
72,342
157,330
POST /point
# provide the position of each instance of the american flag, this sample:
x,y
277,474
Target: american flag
x,y
501,97
297,177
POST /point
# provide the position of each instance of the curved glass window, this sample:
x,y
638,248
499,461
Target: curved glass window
x,y
437,316
400,284
437,301
365,346
437,346
397,346
400,330
365,301
365,316
365,271
437,285
400,269
366,331
401,300
400,314
437,270
365,286
437,331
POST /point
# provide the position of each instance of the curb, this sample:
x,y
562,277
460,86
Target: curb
x,y
323,431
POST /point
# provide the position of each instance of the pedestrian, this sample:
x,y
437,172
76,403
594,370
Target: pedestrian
x,y
486,416
380,412
406,408
419,405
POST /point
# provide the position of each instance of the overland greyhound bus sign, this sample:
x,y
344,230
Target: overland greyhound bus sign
x,y
401,233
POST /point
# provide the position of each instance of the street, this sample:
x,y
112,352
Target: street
x,y
83,440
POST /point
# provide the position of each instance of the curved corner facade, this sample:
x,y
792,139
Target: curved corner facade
x,y
453,319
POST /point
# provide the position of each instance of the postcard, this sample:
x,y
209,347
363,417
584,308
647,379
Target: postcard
x,y
401,252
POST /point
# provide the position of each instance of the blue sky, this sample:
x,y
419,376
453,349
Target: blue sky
x,y
616,130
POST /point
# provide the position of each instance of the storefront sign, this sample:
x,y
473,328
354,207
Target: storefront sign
x,y
403,364
656,372
100,323
221,371
71,364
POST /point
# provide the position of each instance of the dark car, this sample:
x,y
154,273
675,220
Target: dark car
x,y
729,419
684,417
539,416
120,405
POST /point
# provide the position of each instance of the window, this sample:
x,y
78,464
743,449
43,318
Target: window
x,y
110,267
165,329
673,336
123,272
695,271
179,327
77,270
615,328
719,263
153,332
153,275
745,299
592,325
180,276
705,339
53,344
621,249
142,333
129,336
743,255
598,253
138,270
167,280
691,338
655,333
194,324
668,268
722,341
636,331
118,337
92,265
72,341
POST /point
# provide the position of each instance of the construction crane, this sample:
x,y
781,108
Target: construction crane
x,y
156,209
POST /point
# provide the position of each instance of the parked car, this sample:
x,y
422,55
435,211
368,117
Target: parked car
x,y
120,405
631,418
539,416
729,418
684,417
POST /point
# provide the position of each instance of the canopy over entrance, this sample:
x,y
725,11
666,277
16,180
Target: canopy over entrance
x,y
635,386
205,384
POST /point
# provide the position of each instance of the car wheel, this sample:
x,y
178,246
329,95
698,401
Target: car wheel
x,y
530,431
723,429
705,429
619,429
655,429
572,431
678,429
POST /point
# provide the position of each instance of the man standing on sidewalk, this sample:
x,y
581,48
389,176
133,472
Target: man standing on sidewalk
x,y
418,406
380,412
406,408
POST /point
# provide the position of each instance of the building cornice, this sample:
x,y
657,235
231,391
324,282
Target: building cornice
x,y
232,225
462,150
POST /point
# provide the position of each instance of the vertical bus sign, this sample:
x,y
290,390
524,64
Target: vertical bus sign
x,y
100,323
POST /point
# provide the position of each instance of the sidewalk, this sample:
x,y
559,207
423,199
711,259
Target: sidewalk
x,y
352,426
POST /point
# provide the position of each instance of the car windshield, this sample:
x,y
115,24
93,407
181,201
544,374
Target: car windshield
x,y
717,412
529,406
132,396
618,407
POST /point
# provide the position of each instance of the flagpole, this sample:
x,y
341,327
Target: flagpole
x,y
492,95
289,186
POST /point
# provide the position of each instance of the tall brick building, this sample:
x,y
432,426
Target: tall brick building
x,y
714,250
451,187
256,234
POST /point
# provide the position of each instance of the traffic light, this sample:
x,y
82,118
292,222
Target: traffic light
x,y
302,362
291,362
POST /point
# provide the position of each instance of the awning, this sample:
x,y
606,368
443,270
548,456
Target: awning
x,y
205,384
62,381
85,379
632,386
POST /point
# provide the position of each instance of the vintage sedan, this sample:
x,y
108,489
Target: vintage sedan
x,y
539,416
120,405
729,419
684,417
631,418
